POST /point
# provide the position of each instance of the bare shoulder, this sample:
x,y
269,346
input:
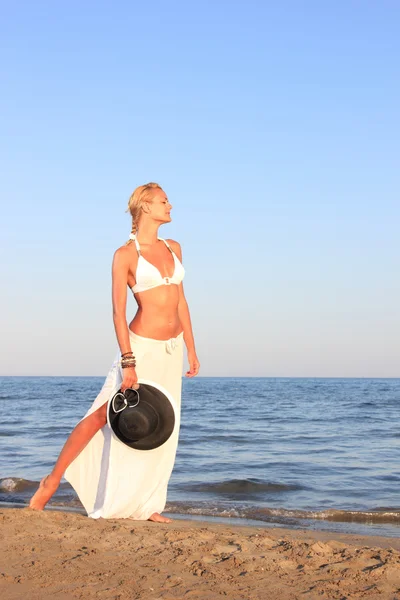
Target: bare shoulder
x,y
176,247
123,255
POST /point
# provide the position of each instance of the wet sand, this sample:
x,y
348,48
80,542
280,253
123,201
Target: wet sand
x,y
62,556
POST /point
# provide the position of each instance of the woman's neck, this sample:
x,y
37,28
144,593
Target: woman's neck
x,y
148,234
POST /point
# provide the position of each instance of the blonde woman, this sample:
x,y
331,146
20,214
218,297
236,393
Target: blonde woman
x,y
112,480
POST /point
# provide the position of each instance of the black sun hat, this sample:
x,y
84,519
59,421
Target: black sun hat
x,y
143,419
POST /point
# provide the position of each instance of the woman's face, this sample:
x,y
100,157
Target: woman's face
x,y
160,207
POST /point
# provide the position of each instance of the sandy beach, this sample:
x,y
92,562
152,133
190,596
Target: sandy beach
x,y
61,556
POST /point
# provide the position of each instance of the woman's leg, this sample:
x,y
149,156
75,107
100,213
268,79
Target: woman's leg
x,y
76,442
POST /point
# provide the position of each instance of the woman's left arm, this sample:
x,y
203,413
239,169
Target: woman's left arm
x,y
184,317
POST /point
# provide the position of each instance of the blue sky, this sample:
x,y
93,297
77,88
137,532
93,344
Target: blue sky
x,y
273,128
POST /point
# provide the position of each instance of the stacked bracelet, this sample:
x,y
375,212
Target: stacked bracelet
x,y
128,360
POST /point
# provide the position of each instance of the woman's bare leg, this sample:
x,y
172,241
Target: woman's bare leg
x,y
76,442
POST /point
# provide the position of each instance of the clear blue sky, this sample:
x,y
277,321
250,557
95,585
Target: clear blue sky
x,y
274,129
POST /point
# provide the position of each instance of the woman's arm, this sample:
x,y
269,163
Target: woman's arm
x,y
184,317
120,268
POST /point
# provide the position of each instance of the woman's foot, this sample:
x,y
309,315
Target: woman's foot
x,y
47,487
159,518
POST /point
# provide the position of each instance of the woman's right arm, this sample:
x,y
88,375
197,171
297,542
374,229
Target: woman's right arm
x,y
120,270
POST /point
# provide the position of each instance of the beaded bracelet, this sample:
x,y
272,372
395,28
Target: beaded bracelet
x,y
129,361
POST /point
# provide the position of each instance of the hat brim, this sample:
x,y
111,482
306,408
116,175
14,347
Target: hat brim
x,y
165,406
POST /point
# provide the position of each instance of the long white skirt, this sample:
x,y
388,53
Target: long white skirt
x,y
113,480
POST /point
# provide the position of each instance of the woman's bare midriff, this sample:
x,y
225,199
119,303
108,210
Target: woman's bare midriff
x,y
157,315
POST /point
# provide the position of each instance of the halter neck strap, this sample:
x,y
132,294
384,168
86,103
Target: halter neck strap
x,y
132,236
166,243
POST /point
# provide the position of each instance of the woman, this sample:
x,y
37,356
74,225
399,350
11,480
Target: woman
x,y
112,480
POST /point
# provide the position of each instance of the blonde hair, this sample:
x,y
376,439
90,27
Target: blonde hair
x,y
143,193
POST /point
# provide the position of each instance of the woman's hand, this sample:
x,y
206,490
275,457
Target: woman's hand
x,y
130,379
194,365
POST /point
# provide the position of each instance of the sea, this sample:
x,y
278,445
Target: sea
x,y
308,453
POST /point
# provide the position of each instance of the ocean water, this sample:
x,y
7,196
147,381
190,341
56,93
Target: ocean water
x,y
309,453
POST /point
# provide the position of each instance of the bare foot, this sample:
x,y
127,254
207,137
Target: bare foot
x,y
159,518
46,489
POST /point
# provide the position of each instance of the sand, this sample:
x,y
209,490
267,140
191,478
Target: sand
x,y
60,556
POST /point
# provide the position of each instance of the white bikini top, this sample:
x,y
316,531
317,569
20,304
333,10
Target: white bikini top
x,y
148,276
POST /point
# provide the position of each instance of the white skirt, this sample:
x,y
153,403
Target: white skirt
x,y
113,480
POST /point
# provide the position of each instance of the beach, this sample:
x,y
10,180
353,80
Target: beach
x,y
321,455
63,555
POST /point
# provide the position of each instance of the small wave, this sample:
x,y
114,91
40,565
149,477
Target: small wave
x,y
16,484
228,438
286,516
344,516
241,486
351,516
